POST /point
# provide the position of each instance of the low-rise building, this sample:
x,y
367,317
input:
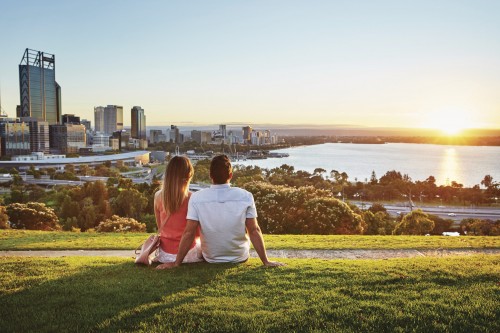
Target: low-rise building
x,y
67,138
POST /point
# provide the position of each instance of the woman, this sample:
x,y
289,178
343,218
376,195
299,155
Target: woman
x,y
171,204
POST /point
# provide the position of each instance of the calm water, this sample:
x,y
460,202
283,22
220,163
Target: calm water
x,y
466,165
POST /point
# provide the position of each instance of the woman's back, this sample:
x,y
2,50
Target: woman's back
x,y
173,228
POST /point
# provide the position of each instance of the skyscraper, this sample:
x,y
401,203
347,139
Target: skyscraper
x,y
108,119
247,134
99,119
138,123
39,92
113,119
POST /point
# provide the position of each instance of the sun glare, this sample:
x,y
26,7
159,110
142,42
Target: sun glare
x,y
450,121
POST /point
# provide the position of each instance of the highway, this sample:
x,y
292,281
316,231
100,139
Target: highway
x,y
447,212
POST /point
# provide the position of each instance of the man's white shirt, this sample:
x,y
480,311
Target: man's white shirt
x,y
221,211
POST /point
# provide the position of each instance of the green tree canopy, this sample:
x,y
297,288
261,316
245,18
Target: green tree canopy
x,y
414,223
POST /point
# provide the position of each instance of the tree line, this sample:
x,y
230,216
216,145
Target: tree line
x,y
288,202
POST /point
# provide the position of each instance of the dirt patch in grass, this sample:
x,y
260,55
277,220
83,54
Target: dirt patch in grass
x,y
293,254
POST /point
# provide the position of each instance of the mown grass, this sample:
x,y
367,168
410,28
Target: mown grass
x,y
50,240
109,295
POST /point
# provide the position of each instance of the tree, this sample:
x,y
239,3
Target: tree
x,y
303,210
319,171
69,168
4,218
373,178
329,216
69,208
32,216
378,223
480,227
129,203
391,177
376,207
414,223
487,181
440,225
88,217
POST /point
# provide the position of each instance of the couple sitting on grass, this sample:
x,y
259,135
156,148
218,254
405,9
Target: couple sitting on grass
x,y
220,216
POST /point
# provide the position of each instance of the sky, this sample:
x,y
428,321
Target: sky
x,y
386,63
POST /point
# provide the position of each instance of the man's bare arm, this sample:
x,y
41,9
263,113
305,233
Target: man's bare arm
x,y
187,239
257,240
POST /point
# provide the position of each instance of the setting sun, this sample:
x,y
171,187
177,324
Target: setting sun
x,y
450,121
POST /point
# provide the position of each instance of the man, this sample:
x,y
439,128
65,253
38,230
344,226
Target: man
x,y
224,215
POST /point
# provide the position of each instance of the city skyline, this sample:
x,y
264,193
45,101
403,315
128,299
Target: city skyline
x,y
390,64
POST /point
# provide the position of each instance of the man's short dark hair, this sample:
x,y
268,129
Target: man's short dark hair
x,y
220,169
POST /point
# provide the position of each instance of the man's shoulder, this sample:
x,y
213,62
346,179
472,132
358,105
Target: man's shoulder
x,y
239,190
200,194
239,194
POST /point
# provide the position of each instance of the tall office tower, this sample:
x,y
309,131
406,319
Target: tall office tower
x,y
14,137
99,119
138,123
247,134
113,119
70,119
39,134
175,135
222,131
67,138
40,94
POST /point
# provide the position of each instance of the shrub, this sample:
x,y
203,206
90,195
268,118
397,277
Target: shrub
x,y
4,218
328,216
379,223
120,224
414,223
150,221
480,227
32,216
304,210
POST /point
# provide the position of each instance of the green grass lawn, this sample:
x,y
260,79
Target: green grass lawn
x,y
459,294
49,240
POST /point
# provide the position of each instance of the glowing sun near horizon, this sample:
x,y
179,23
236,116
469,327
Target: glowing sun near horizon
x,y
450,121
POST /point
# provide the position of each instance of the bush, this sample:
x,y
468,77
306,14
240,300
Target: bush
x,y
414,223
32,216
150,221
480,227
120,224
4,218
379,223
304,210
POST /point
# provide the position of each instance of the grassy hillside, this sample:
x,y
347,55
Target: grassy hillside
x,y
51,240
109,295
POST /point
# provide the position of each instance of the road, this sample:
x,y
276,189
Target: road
x,y
457,213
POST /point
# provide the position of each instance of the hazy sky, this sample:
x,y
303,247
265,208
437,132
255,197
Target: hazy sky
x,y
370,63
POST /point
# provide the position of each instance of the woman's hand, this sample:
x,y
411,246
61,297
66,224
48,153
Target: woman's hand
x,y
168,265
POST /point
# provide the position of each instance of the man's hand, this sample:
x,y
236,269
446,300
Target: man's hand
x,y
167,265
274,264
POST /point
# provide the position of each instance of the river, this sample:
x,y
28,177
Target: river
x,y
464,164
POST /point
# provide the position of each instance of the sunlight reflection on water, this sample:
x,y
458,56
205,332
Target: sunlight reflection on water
x,y
464,164
448,169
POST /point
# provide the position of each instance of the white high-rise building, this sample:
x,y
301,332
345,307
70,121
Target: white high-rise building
x,y
99,119
108,119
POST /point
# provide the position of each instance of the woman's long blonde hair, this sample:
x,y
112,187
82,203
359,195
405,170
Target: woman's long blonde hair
x,y
175,187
